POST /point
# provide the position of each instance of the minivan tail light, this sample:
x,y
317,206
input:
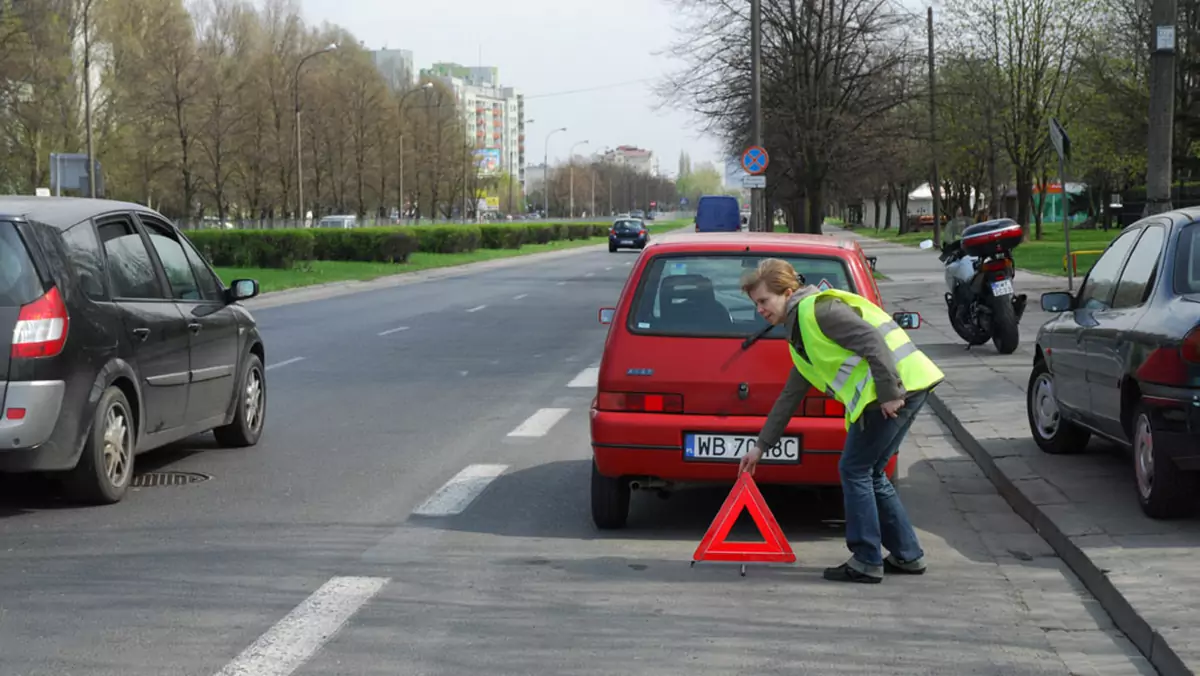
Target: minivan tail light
x,y
41,329
639,402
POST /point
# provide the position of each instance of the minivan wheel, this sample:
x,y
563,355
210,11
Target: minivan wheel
x,y
1164,490
105,467
610,500
1051,431
251,412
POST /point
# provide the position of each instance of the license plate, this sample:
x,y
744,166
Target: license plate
x,y
627,241
731,448
1002,288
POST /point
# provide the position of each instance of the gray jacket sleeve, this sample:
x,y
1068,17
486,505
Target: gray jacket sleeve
x,y
785,406
844,326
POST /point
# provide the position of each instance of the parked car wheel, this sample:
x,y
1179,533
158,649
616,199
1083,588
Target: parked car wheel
x,y
1164,490
247,425
610,501
1052,432
105,468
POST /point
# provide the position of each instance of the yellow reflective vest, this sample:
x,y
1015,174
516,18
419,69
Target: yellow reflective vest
x,y
844,375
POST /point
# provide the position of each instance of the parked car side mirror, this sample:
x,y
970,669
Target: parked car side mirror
x,y
607,314
242,289
1058,301
907,320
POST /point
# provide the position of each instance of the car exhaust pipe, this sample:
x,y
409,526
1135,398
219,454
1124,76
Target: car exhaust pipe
x,y
643,484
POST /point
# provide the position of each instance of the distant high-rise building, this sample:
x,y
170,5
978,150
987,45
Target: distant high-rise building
x,y
493,116
396,67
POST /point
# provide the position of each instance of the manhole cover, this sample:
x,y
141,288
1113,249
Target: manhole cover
x,y
162,479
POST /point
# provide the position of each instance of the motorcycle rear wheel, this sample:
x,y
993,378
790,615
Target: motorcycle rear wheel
x,y
1006,333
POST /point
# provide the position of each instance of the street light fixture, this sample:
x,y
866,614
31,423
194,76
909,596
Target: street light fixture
x,y
400,109
571,159
546,170
299,154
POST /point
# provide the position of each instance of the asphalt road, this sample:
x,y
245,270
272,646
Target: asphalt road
x,y
454,398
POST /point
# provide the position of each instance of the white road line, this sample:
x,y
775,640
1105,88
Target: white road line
x,y
586,378
628,263
285,362
520,296
608,268
297,637
561,283
460,491
395,330
477,308
538,424
590,274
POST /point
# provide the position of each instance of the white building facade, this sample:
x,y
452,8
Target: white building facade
x,y
493,116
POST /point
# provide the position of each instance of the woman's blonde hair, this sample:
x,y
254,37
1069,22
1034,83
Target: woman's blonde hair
x,y
777,274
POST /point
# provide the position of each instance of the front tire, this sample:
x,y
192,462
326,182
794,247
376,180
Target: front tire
x,y
1052,432
1006,332
610,501
1164,490
105,468
251,408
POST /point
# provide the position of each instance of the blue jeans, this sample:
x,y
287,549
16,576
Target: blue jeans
x,y
875,517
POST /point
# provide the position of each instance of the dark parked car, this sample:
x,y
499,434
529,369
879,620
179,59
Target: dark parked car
x,y
116,338
1122,360
628,233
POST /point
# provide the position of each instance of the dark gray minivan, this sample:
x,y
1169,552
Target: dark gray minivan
x,y
116,338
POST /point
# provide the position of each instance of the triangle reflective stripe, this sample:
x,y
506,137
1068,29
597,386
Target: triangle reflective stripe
x,y
773,549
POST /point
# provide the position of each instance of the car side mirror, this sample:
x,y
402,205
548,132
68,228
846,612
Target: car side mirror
x,y
607,314
907,320
242,289
927,244
1058,301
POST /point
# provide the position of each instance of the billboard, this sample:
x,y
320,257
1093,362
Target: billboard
x,y
487,160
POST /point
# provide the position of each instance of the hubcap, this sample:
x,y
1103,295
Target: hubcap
x,y
1143,449
118,444
254,400
1044,408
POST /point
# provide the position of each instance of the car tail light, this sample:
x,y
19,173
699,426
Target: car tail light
x,y
642,231
1190,349
817,405
640,402
41,329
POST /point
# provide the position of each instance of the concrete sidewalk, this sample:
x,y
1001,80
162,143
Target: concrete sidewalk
x,y
1144,572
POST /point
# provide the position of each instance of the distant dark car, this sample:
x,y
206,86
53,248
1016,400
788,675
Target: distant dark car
x,y
116,338
1122,361
628,233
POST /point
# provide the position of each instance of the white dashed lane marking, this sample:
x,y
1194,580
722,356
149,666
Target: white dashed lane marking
x,y
477,308
538,424
586,377
285,362
520,296
460,491
395,330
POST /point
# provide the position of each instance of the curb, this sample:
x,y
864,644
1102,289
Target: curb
x,y
1148,641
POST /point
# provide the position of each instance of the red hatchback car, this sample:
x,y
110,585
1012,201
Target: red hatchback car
x,y
683,390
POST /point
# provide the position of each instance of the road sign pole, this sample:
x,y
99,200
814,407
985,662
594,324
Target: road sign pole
x,y
757,208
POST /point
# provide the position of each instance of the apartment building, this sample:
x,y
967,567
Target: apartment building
x,y
639,159
396,67
493,115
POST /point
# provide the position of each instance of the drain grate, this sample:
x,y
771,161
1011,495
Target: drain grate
x,y
165,479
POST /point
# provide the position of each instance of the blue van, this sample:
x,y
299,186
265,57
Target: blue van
x,y
718,213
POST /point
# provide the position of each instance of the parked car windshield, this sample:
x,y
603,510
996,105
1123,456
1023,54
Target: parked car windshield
x,y
1187,260
701,295
19,282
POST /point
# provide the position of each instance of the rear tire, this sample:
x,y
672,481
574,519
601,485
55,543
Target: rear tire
x,y
612,248
610,501
1164,490
105,467
251,408
1052,432
1006,332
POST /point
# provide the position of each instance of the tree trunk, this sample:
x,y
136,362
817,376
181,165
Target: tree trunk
x,y
875,197
1024,198
890,200
816,206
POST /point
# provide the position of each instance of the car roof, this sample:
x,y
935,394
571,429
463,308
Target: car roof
x,y
61,212
735,241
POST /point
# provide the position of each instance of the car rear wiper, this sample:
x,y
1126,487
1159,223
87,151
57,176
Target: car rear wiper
x,y
750,340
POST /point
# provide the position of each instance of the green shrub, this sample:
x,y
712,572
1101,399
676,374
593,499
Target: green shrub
x,y
447,238
503,236
370,245
254,248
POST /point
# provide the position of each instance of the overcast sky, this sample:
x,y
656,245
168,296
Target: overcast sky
x,y
547,48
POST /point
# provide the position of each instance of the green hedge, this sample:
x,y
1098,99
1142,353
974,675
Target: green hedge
x,y
283,248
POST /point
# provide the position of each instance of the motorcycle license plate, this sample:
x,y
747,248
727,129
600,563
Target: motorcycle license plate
x,y
1002,288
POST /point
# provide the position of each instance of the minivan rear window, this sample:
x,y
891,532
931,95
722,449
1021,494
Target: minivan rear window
x,y
1187,260
701,295
19,283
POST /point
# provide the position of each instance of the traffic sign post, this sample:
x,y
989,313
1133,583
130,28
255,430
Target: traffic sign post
x,y
755,161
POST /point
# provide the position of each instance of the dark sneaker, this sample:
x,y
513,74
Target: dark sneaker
x,y
895,566
844,573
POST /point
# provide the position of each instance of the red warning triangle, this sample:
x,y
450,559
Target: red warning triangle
x,y
774,548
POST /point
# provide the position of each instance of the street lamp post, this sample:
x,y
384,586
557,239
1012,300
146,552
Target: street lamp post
x,y
571,159
299,154
546,170
400,198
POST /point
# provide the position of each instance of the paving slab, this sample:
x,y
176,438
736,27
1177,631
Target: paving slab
x,y
1142,571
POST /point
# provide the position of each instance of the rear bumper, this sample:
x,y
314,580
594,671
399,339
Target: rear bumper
x,y
634,241
25,442
651,445
1177,423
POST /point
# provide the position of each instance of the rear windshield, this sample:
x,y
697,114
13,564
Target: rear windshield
x,y
629,225
701,295
1187,261
19,282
